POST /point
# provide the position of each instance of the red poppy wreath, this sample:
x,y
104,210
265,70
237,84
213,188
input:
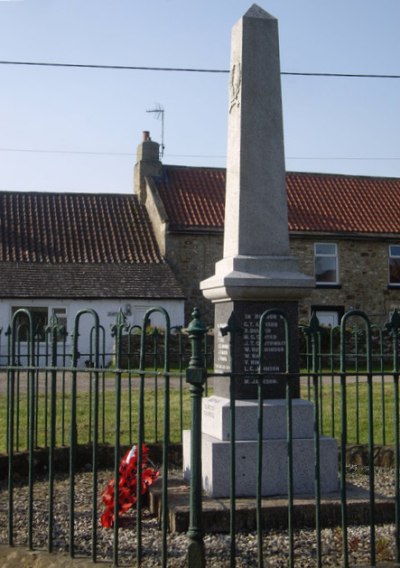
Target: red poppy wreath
x,y
127,486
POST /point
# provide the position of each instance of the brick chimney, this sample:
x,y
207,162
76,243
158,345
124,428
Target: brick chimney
x,y
147,164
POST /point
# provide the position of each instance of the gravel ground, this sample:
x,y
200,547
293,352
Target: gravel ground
x,y
275,543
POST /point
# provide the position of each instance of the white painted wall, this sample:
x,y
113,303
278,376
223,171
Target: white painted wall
x,y
107,311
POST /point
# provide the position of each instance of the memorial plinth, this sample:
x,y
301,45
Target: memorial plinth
x,y
256,274
216,450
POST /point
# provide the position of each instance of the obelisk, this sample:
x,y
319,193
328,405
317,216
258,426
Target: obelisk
x,y
257,273
257,261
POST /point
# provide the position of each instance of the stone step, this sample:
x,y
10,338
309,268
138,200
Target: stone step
x,y
216,512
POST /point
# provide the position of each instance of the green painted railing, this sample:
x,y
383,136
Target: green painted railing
x,y
54,396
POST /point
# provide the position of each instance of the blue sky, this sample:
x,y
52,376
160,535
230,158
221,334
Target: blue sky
x,y
64,129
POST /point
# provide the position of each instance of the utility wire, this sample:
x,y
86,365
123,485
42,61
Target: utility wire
x,y
191,70
113,67
97,153
351,75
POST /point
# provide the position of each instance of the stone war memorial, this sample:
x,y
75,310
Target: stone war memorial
x,y
257,273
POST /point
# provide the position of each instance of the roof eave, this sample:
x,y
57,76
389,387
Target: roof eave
x,y
196,230
344,235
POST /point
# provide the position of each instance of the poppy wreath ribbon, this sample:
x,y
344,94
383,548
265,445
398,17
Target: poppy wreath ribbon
x,y
127,485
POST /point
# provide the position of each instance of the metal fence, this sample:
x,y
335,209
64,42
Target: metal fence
x,y
66,420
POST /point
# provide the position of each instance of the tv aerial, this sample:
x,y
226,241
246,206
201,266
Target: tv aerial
x,y
158,111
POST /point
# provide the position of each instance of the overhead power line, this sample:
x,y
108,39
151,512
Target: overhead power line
x,y
98,153
191,69
85,152
350,75
114,67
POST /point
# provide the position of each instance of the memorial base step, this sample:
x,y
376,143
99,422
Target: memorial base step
x,y
216,466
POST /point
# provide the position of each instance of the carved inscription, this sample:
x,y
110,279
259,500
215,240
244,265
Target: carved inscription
x,y
222,352
273,348
246,350
209,407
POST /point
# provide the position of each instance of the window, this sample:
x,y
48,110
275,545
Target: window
x,y
326,264
61,314
394,265
328,316
40,319
328,319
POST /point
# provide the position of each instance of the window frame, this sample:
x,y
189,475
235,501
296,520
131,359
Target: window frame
x,y
62,319
339,310
326,255
40,309
37,312
390,258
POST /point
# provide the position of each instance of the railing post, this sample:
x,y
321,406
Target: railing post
x,y
394,328
196,376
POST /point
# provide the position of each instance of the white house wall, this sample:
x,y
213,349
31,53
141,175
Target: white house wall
x,y
107,311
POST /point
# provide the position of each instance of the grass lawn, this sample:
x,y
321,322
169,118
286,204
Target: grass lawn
x,y
357,412
107,423
330,403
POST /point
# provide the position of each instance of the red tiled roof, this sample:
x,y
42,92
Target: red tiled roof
x,y
194,199
75,228
57,245
348,204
